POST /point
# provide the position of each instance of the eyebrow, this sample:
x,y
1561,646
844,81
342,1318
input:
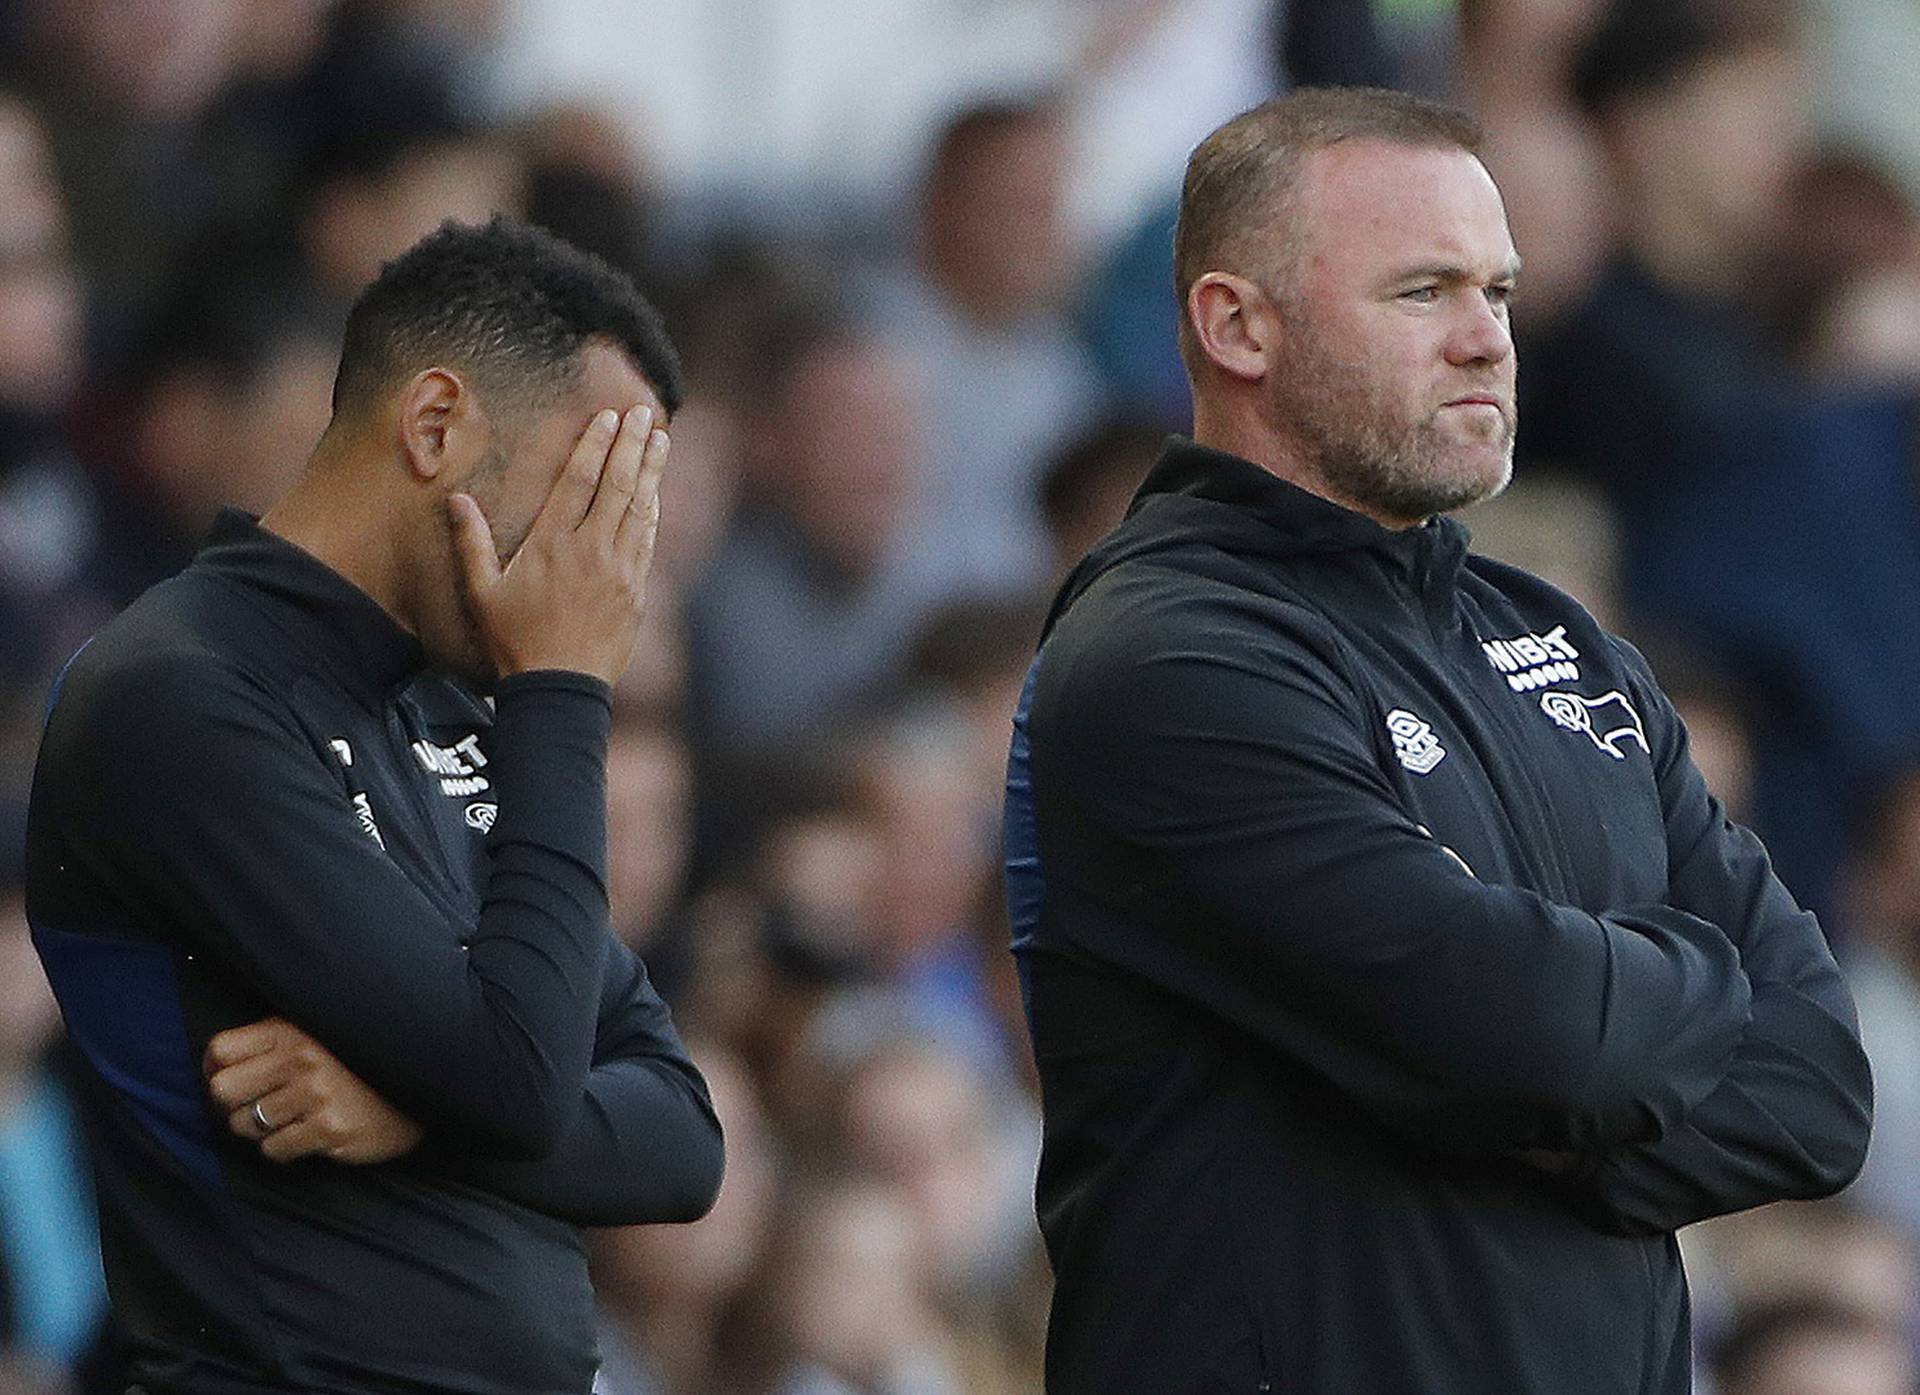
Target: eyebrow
x,y
1452,272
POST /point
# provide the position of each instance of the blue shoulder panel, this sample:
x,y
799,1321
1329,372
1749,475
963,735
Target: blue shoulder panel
x,y
121,1000
1026,886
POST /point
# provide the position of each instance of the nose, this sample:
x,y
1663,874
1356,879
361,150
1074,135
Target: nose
x,y
1479,334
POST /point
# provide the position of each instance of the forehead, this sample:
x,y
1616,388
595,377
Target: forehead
x,y
608,378
1371,208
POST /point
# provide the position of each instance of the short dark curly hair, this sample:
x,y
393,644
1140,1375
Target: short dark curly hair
x,y
508,303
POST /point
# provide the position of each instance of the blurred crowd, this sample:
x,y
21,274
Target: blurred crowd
x,y
916,255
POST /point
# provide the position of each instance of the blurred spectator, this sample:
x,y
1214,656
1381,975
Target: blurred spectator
x,y
1089,484
1559,529
235,388
48,513
697,497
925,796
983,320
666,1291
921,1119
649,824
849,1298
1667,384
1883,969
53,1295
1184,68
1812,1346
1833,1250
402,168
40,333
1516,65
122,90
972,657
813,598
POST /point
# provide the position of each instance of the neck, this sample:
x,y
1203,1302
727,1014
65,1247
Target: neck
x,y
1243,433
337,513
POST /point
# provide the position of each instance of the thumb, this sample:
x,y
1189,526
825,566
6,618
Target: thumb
x,y
473,543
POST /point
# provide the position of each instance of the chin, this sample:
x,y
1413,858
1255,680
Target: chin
x,y
1480,467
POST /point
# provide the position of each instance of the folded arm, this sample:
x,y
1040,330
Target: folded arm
x,y
263,864
645,1144
1790,1118
1231,797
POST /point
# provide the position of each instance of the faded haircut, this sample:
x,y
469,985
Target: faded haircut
x,y
1239,187
505,301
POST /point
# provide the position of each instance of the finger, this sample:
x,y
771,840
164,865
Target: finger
x,y
473,543
622,474
237,1043
572,493
281,1108
301,1139
246,1082
642,521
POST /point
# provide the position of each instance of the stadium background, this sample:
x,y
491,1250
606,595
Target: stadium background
x,y
915,252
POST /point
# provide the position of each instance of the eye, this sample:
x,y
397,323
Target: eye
x,y
1422,295
1500,293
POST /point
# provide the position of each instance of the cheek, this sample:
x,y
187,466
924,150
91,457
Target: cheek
x,y
509,515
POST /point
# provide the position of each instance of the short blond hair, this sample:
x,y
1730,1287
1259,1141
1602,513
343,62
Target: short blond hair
x,y
1240,179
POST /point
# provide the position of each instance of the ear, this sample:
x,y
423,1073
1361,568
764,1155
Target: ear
x,y
441,425
1234,322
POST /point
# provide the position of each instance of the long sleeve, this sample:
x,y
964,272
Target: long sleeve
x,y
1790,1118
1219,768
645,1145
484,1034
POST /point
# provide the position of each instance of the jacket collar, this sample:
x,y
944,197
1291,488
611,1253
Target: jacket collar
x,y
1195,495
1300,521
318,604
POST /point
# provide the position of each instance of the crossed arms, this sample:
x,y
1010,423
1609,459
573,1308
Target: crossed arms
x,y
529,1048
1688,1058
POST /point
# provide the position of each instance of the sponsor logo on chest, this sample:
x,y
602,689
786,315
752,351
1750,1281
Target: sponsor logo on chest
x,y
458,766
1533,661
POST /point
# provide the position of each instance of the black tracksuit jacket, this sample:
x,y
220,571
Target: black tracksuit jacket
x,y
251,800
1397,987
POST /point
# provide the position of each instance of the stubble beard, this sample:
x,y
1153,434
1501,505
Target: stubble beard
x,y
1353,436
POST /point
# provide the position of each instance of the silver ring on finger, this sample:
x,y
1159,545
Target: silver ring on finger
x,y
260,1118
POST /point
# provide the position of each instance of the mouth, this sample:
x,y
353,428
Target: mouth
x,y
1479,399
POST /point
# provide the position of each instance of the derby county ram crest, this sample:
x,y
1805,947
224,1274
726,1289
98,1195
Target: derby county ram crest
x,y
1609,721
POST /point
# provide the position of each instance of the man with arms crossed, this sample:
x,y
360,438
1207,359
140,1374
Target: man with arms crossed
x,y
275,830
1397,987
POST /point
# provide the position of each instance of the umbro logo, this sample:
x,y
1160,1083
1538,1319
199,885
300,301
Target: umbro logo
x,y
1414,743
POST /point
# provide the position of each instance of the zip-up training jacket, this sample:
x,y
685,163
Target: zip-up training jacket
x,y
1397,987
251,800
